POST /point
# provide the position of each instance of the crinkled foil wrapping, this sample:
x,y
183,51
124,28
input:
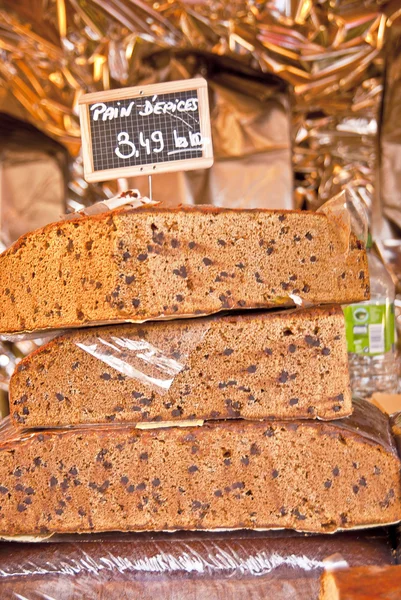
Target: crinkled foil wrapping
x,y
390,162
330,53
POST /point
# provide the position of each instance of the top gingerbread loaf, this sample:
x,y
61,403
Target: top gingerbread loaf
x,y
139,264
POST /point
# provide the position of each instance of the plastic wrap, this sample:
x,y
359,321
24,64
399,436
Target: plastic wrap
x,y
348,210
348,218
224,566
128,198
136,358
390,253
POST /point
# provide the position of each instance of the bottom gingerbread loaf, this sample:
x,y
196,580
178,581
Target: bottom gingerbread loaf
x,y
184,566
309,476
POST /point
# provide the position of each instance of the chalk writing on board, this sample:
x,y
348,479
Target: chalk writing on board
x,y
181,144
102,111
146,130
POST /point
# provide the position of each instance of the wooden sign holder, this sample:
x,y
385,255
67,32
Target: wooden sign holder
x,y
199,85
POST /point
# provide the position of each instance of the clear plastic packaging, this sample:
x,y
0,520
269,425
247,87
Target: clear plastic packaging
x,y
134,357
348,210
132,198
372,369
222,566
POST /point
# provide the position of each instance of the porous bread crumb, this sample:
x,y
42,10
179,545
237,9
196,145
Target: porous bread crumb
x,y
149,263
290,364
309,476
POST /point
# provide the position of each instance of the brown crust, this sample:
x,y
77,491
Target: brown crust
x,y
367,424
396,430
104,216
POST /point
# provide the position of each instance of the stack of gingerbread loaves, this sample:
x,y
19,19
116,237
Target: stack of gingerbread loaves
x,y
187,392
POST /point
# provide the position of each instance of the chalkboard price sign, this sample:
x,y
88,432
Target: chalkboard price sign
x,y
146,130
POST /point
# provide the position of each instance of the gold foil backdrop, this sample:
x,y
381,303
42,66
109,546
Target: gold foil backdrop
x,y
390,163
329,52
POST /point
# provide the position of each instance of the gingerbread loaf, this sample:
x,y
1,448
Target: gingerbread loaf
x,y
151,263
362,583
290,364
305,475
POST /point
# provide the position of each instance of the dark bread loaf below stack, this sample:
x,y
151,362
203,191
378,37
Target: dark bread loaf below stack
x,y
151,263
305,475
290,364
218,566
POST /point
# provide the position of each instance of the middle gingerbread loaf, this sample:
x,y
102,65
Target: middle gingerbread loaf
x,y
289,364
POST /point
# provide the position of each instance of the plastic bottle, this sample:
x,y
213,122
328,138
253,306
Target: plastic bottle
x,y
370,328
